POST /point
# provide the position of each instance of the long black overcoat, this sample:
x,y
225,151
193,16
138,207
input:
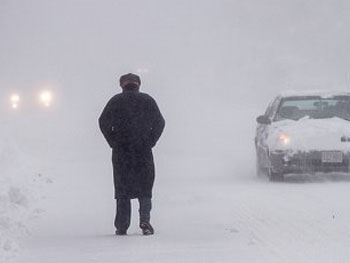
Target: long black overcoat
x,y
132,124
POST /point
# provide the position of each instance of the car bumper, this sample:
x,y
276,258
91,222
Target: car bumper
x,y
306,162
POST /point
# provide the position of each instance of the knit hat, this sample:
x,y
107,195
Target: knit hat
x,y
129,78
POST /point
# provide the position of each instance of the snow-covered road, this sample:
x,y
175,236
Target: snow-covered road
x,y
208,205
231,218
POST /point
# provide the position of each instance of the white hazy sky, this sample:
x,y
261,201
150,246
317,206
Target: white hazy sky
x,y
204,59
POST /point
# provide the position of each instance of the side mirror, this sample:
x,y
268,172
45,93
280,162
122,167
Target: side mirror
x,y
263,119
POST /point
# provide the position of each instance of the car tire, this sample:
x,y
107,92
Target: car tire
x,y
275,177
260,171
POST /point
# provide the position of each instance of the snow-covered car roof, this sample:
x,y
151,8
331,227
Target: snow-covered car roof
x,y
320,93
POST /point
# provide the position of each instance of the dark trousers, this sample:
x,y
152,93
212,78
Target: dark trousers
x,y
123,215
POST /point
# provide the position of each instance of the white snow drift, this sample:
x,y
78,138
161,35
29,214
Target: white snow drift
x,y
19,194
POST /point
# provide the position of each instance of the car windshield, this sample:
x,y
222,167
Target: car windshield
x,y
295,108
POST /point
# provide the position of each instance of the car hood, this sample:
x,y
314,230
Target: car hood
x,y
311,134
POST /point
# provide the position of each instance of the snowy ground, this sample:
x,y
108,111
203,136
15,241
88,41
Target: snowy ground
x,y
199,217
208,205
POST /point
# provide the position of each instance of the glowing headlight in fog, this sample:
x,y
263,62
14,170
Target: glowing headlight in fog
x,y
284,139
15,99
46,98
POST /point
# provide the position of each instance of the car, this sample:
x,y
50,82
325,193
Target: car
x,y
304,133
44,98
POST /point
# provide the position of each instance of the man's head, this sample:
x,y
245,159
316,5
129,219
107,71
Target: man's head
x,y
130,81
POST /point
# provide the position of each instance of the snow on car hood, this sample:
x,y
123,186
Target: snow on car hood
x,y
310,134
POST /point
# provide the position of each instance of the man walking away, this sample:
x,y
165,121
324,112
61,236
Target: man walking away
x,y
132,124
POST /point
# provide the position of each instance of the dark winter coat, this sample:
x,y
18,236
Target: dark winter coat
x,y
132,124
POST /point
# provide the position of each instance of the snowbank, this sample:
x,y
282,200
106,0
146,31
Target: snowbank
x,y
19,193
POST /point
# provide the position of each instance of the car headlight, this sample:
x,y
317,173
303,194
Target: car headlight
x,y
284,139
15,100
46,98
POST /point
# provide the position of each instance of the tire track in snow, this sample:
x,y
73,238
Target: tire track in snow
x,y
287,222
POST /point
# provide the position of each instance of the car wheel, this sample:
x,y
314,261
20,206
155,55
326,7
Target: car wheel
x,y
260,171
276,177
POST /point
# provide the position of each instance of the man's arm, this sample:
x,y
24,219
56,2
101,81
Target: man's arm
x,y
158,124
105,123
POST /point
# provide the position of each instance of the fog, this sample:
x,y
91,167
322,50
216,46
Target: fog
x,y
213,66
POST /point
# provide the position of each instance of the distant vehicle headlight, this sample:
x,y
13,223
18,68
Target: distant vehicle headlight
x,y
15,100
284,139
46,98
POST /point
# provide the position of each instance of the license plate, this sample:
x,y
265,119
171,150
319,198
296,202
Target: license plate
x,y
332,157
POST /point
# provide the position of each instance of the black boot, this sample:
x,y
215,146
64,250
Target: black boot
x,y
147,228
120,232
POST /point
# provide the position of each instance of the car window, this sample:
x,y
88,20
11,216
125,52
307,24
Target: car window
x,y
267,112
273,108
314,107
